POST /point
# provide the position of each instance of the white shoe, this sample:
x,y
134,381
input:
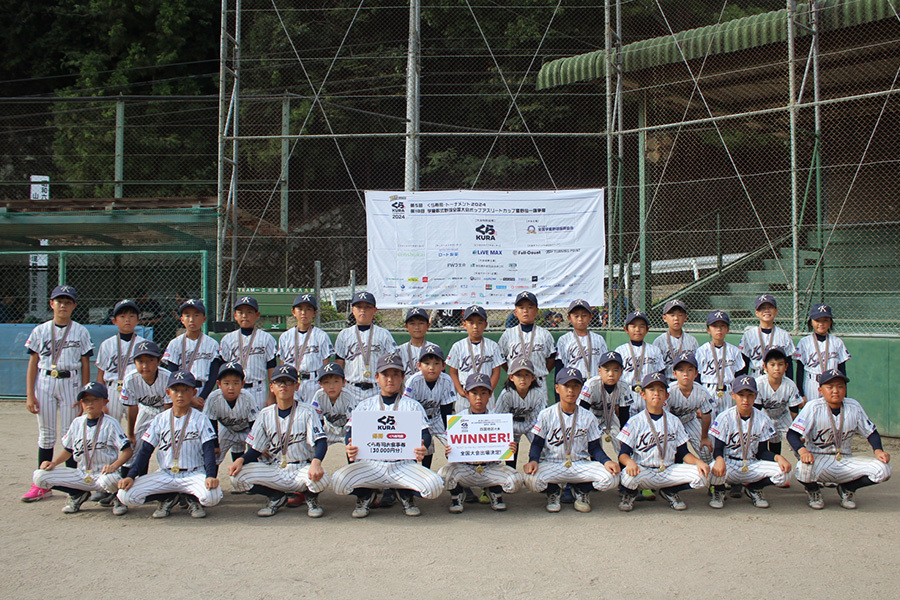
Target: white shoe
x,y
554,503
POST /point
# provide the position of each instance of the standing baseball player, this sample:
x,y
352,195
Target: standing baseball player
x,y
417,323
566,449
741,455
608,398
363,478
358,348
474,354
306,347
333,404
59,354
252,348
232,411
193,350
580,348
675,340
653,448
522,398
822,435
433,389
758,340
115,357
819,352
777,396
291,434
99,445
529,340
144,391
640,358
718,361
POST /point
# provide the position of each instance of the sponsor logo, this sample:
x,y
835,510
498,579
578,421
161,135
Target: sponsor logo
x,y
485,231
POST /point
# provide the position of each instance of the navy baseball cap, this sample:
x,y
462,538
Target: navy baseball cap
x,y
285,372
829,375
633,316
718,316
363,297
230,367
672,305
820,311
192,303
477,380
474,310
331,369
94,388
526,296
416,313
651,378
63,291
608,357
576,304
146,348
123,305
431,350
569,374
520,363
306,299
685,357
744,383
389,361
181,378
247,301
774,353
766,299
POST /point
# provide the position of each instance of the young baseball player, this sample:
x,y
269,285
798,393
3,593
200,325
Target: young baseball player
x,y
59,354
822,435
652,442
291,434
819,352
566,448
363,478
675,340
608,398
115,357
433,389
777,395
232,411
99,445
529,339
758,340
474,354
358,348
306,347
193,350
580,348
718,361
417,324
332,403
494,477
640,358
523,398
185,445
741,455
144,391
252,348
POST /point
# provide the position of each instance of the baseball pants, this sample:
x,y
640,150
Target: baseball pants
x,y
694,429
294,478
114,408
260,392
581,471
166,482
55,396
757,470
74,479
721,404
373,474
230,441
651,478
827,469
467,475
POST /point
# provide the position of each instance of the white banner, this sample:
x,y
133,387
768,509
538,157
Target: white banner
x,y
439,249
479,438
386,435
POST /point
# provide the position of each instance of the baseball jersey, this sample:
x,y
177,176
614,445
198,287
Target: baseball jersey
x,y
238,418
318,349
814,425
334,416
708,357
136,391
725,429
108,357
409,354
515,341
646,359
305,431
204,350
755,343
570,354
524,411
253,352
672,347
554,432
604,406
431,397
68,355
807,353
686,407
777,403
637,434
111,440
462,353
376,341
160,434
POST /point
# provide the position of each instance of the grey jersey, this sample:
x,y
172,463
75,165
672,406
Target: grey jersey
x,y
334,415
570,354
814,425
686,407
238,418
253,357
109,353
348,348
486,353
318,349
554,432
111,440
637,434
755,343
777,403
160,435
68,355
725,428
524,411
673,346
200,353
296,445
515,342
605,406
643,359
136,391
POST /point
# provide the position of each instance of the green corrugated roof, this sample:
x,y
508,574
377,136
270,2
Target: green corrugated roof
x,y
732,36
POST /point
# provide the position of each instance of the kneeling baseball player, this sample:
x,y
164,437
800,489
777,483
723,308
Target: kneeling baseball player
x,y
292,435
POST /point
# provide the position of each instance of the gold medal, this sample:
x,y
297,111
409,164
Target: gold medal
x,y
608,438
638,389
720,393
480,469
88,478
54,373
175,467
745,469
839,456
283,463
568,463
367,373
662,467
119,386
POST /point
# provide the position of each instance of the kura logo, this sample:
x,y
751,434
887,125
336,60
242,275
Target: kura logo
x,y
485,231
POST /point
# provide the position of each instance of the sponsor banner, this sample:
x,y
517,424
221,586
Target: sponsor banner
x,y
464,247
387,435
479,438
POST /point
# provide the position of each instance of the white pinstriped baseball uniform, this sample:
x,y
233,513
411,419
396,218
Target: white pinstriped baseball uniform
x,y
672,347
150,399
234,421
334,415
409,354
708,356
777,403
570,354
593,393
524,411
432,398
347,347
806,353
636,433
460,358
253,360
542,347
318,350
652,361
725,428
751,348
685,408
207,352
107,361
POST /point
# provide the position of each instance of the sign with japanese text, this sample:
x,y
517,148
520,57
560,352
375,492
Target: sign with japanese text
x,y
386,435
479,438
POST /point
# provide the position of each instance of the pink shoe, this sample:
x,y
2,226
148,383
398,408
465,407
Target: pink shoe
x,y
36,493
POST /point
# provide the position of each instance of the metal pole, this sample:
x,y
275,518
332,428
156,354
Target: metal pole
x,y
120,148
204,282
352,287
620,159
318,264
61,268
817,111
220,175
609,198
644,289
795,224
413,65
718,241
285,154
234,150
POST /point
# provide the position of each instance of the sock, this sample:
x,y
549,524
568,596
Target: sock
x,y
363,493
758,485
495,489
426,462
811,487
68,490
584,488
457,490
266,491
44,454
552,488
675,489
857,483
162,497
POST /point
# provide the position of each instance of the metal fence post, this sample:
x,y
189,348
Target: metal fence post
x,y
795,223
319,291
644,290
120,148
61,267
285,158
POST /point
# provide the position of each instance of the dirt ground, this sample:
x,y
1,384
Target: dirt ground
x,y
786,551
